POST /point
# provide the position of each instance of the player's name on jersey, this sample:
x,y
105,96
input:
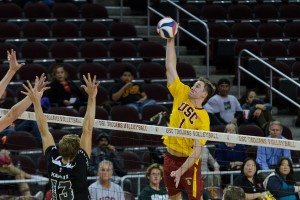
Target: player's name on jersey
x,y
64,177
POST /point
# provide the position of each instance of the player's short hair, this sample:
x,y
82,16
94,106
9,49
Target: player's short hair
x,y
127,69
69,146
233,193
208,86
154,166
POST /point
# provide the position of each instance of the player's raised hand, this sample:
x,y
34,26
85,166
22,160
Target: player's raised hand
x,y
40,82
91,86
12,59
35,93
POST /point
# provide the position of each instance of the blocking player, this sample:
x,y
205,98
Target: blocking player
x,y
67,163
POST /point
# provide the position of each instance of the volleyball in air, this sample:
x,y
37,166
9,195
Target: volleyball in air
x,y
167,27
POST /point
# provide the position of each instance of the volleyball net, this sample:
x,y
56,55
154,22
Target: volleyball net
x,y
142,147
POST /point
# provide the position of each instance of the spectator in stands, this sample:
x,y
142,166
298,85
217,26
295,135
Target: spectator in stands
x,y
268,157
128,93
208,162
233,193
64,92
104,188
154,174
259,112
249,181
8,171
230,156
281,183
226,108
105,151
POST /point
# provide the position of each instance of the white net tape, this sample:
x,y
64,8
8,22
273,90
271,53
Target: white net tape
x,y
159,130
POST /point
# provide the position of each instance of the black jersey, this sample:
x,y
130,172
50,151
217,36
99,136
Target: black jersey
x,y
68,182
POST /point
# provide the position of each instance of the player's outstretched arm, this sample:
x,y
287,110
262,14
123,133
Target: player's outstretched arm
x,y
197,148
21,106
91,88
171,61
35,94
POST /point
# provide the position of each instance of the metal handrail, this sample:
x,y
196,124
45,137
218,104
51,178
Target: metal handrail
x,y
184,30
240,68
140,175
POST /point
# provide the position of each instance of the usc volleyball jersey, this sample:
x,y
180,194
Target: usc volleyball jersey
x,y
185,115
68,182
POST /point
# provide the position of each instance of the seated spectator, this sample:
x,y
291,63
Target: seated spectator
x,y
103,188
281,183
128,93
207,162
259,112
249,181
105,151
64,92
233,193
230,156
268,157
154,174
9,172
226,108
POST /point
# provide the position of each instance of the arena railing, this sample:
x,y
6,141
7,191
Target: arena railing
x,y
270,86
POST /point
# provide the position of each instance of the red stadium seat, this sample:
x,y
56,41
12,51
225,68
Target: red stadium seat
x,y
131,161
94,69
93,10
37,10
65,10
34,50
26,163
124,114
20,141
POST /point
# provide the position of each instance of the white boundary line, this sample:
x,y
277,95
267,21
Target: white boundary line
x,y
160,130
